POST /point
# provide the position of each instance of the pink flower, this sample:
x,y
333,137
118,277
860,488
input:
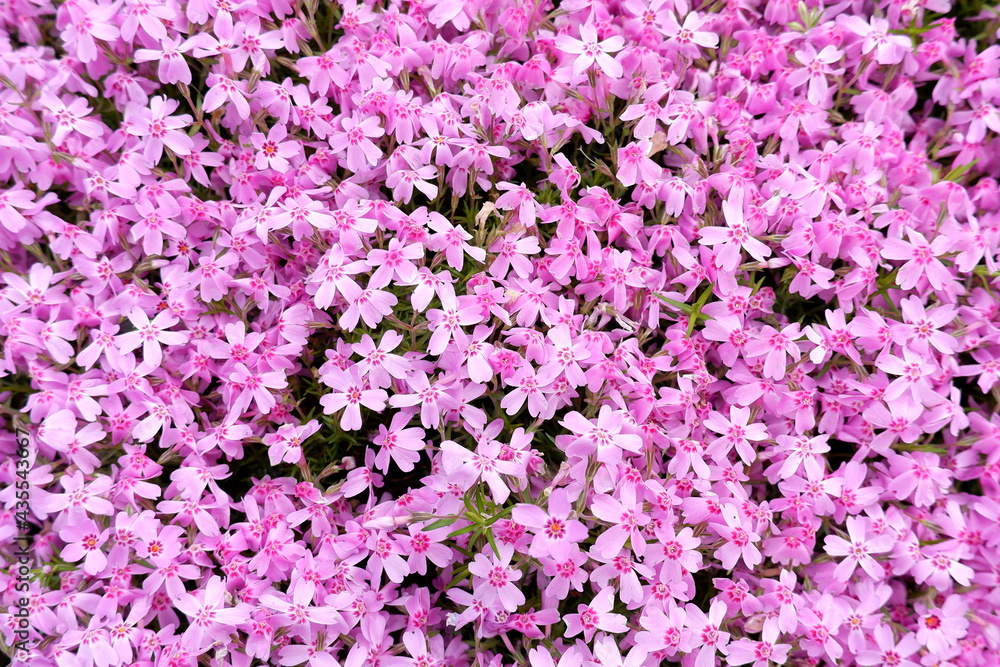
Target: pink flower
x,y
918,475
555,532
605,437
512,252
740,539
591,51
889,49
704,632
521,199
423,545
527,386
858,550
940,566
736,432
663,629
627,519
815,69
775,346
900,422
350,393
403,445
497,581
734,236
273,151
210,620
939,629
921,259
761,653
396,262
688,37
595,616
255,386
433,399
889,651
71,118
922,328
298,612
150,335
223,88
161,129
370,305
11,199
95,643
83,542
171,65
402,182
90,22
355,140
608,655
152,223
465,468
912,383
378,364
635,167
447,322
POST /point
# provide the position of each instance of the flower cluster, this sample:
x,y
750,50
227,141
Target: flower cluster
x,y
501,332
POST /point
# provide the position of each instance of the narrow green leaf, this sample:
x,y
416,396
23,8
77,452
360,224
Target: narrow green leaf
x,y
463,531
676,304
958,172
696,311
440,523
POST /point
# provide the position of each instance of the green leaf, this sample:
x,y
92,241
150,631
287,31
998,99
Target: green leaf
x,y
463,531
676,304
440,523
958,172
501,515
696,311
489,536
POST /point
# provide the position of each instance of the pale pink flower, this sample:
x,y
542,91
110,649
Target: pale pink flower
x,y
497,579
735,432
273,151
255,387
857,551
150,334
403,445
595,616
589,51
921,259
350,393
